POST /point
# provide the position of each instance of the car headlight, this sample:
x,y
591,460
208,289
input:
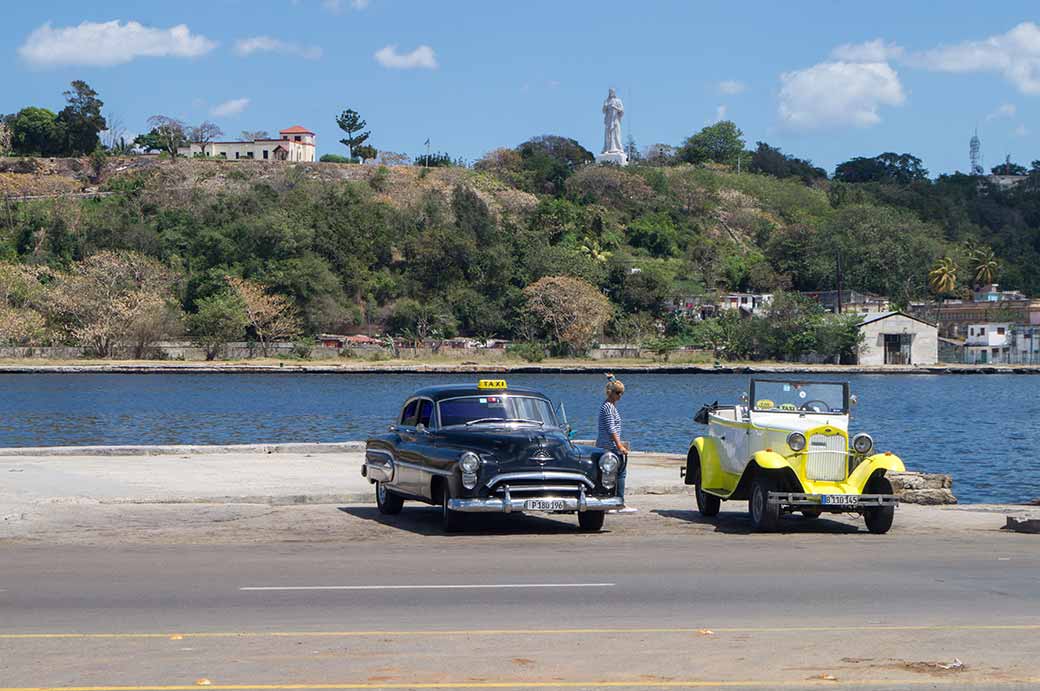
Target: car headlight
x,y
608,466
796,440
469,462
862,443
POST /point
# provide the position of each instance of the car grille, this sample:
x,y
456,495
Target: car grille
x,y
539,483
826,457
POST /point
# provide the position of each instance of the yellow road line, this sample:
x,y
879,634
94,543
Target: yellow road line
x,y
592,684
525,632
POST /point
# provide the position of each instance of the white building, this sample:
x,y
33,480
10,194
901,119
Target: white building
x,y
293,144
1002,343
748,303
895,338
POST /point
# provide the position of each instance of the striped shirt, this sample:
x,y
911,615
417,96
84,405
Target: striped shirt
x,y
609,424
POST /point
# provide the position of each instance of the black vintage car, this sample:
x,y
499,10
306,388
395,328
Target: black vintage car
x,y
489,448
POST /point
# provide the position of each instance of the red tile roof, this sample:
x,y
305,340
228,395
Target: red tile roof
x,y
295,129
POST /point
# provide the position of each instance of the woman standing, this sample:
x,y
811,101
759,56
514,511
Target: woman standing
x,y
608,434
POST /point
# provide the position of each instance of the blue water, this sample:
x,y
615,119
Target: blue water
x,y
982,429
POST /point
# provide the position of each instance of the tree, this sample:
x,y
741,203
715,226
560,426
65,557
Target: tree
x,y
254,135
942,279
112,297
219,320
772,161
36,132
889,167
351,123
203,133
81,119
549,160
393,158
365,152
1009,168
114,133
167,134
984,266
436,160
270,317
719,143
571,311
5,136
631,150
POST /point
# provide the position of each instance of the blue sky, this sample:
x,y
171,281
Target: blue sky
x,y
822,80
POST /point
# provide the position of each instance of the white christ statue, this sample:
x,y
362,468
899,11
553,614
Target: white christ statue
x,y
613,111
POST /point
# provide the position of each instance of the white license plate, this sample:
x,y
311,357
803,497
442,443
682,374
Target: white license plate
x,y
545,505
840,499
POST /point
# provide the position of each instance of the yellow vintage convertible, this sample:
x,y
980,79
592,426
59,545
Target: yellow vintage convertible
x,y
786,448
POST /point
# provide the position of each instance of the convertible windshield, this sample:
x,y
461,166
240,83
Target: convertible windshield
x,y
477,410
802,397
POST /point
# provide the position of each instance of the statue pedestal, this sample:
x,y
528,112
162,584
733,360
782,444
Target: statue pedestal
x,y
617,158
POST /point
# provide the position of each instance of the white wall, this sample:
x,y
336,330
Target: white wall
x,y
924,340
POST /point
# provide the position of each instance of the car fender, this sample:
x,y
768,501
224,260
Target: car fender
x,y
871,464
706,450
771,462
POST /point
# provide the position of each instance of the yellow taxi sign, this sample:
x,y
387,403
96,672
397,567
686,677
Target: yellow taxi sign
x,y
492,384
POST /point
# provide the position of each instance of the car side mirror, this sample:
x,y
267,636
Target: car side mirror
x,y
744,398
570,431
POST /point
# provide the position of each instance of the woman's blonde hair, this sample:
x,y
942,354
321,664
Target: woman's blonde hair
x,y
614,385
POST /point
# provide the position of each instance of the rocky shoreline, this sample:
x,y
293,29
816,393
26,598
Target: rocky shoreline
x,y
579,367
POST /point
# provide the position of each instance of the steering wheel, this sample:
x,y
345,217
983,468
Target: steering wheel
x,y
811,406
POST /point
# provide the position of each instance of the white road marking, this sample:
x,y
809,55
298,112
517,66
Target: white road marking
x,y
465,586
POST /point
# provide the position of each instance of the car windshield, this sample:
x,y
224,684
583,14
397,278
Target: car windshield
x,y
496,408
801,397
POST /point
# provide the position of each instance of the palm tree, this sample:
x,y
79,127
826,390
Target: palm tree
x,y
984,266
943,278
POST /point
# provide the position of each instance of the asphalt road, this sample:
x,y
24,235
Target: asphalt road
x,y
531,607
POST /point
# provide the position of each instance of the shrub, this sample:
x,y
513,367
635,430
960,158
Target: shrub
x,y
334,158
530,352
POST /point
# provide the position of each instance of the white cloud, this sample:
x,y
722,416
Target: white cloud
x,y
1021,131
1006,110
421,57
98,44
336,6
838,93
230,108
732,87
1015,55
877,50
720,113
265,44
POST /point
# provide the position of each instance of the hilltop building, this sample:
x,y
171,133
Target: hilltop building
x,y
294,144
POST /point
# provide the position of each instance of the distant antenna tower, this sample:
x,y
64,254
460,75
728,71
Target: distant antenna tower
x,y
975,152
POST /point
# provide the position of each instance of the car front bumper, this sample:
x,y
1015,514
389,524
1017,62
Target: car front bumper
x,y
851,502
510,504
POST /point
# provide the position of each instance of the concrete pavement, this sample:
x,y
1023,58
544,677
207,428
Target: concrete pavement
x,y
535,608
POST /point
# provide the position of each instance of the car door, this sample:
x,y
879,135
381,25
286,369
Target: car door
x,y
408,460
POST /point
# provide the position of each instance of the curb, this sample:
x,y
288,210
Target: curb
x,y
185,450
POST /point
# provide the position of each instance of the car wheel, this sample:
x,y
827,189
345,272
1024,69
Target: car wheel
x,y
452,521
879,518
765,514
707,504
811,513
388,502
591,521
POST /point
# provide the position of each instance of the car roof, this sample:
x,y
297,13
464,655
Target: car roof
x,y
439,393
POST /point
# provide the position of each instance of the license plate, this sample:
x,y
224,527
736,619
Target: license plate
x,y
840,499
545,505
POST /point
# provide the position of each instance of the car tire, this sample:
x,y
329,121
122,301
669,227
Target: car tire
x,y
765,515
707,504
812,513
388,502
591,521
452,521
879,519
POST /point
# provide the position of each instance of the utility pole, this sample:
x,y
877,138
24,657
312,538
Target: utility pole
x,y
427,152
841,279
